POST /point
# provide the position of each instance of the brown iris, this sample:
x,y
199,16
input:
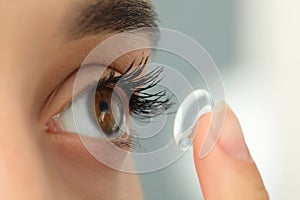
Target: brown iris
x,y
104,112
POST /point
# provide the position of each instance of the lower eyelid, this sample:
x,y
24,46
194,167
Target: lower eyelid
x,y
78,143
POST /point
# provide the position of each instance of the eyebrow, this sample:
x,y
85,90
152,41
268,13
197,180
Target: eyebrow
x,y
113,16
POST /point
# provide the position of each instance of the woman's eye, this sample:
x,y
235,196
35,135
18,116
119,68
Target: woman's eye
x,y
99,111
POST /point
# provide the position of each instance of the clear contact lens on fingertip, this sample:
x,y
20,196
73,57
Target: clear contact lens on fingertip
x,y
196,104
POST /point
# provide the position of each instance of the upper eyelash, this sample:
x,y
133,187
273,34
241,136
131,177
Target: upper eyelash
x,y
142,103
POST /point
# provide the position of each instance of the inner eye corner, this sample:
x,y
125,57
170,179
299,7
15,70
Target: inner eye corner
x,y
52,125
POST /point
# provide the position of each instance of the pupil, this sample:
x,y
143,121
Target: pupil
x,y
103,106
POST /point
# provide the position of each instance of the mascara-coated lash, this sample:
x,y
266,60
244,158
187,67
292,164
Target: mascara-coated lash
x,y
143,103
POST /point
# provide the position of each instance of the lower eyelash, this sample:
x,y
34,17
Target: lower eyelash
x,y
127,144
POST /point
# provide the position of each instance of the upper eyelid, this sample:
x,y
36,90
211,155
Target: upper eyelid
x,y
90,87
64,91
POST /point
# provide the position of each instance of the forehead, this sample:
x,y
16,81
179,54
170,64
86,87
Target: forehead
x,y
79,18
45,25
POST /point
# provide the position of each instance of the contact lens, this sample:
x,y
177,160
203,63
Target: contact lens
x,y
190,110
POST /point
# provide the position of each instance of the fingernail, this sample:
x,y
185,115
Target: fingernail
x,y
232,140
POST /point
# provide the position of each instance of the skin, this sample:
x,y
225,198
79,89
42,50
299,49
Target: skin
x,y
36,55
229,171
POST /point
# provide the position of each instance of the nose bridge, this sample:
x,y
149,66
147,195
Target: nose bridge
x,y
21,166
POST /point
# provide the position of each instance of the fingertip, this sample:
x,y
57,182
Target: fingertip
x,y
226,172
232,139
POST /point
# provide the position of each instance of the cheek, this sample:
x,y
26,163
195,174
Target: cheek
x,y
87,178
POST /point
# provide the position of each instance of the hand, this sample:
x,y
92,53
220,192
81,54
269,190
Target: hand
x,y
228,172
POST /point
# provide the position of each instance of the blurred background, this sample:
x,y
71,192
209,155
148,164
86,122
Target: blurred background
x,y
255,44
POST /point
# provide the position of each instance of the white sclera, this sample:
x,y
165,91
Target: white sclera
x,y
190,110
